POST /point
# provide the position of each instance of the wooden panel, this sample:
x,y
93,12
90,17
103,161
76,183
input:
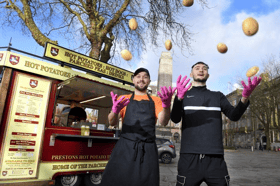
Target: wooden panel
x,y
4,86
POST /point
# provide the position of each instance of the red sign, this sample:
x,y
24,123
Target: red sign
x,y
22,142
21,150
54,51
33,83
23,134
27,115
30,172
4,173
14,60
26,121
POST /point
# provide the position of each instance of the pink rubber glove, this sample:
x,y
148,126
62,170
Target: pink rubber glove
x,y
251,86
181,90
118,104
166,96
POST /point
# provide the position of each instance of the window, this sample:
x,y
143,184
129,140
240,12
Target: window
x,y
66,114
90,99
248,122
264,139
92,115
163,142
166,142
158,142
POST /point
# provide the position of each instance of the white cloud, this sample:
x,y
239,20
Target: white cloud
x,y
237,86
153,83
243,51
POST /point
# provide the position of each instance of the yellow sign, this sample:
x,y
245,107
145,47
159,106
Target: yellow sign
x,y
2,58
31,65
48,169
25,124
78,166
64,55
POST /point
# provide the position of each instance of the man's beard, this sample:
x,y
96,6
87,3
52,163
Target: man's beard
x,y
201,80
141,89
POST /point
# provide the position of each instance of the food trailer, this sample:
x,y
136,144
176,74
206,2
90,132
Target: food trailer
x,y
54,116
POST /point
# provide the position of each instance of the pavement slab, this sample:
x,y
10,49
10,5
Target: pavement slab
x,y
246,168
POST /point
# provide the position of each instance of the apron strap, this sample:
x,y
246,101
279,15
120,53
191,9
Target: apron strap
x,y
135,147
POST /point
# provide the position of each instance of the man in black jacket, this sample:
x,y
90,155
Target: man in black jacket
x,y
202,153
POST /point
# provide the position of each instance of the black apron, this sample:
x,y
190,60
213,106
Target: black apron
x,y
134,160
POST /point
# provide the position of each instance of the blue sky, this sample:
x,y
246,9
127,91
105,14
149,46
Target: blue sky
x,y
221,22
258,7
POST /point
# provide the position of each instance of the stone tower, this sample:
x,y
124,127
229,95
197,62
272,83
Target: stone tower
x,y
165,79
165,70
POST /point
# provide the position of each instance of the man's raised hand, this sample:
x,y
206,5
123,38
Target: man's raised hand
x,y
181,86
166,95
118,104
251,86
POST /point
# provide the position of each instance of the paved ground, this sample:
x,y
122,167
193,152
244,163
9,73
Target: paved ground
x,y
246,168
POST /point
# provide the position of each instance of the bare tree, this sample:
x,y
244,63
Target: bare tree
x,y
98,24
265,99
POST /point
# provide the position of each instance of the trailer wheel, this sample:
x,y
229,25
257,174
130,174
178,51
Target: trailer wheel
x,y
93,179
68,180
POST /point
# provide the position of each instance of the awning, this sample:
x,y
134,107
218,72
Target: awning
x,y
81,89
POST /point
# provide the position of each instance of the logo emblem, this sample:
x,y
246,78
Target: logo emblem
x,y
189,96
1,56
4,173
30,172
33,83
14,59
54,51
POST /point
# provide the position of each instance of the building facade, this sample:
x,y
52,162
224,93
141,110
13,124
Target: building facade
x,y
248,131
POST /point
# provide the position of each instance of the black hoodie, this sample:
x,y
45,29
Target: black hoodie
x,y
202,120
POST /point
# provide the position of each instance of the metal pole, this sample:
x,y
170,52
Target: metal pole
x,y
10,44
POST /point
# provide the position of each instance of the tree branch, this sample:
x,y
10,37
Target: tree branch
x,y
67,25
117,15
4,2
27,18
78,16
105,53
83,4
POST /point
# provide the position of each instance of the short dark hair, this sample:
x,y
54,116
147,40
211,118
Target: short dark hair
x,y
141,70
200,62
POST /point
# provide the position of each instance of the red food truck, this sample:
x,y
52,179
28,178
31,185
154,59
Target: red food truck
x,y
54,116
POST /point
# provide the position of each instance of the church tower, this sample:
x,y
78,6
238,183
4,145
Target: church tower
x,y
165,70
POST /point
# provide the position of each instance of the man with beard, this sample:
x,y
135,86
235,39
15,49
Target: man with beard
x,y
202,153
134,160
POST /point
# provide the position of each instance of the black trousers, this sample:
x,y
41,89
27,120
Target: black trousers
x,y
193,169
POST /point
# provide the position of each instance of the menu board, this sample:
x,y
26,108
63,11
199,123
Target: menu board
x,y
24,128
